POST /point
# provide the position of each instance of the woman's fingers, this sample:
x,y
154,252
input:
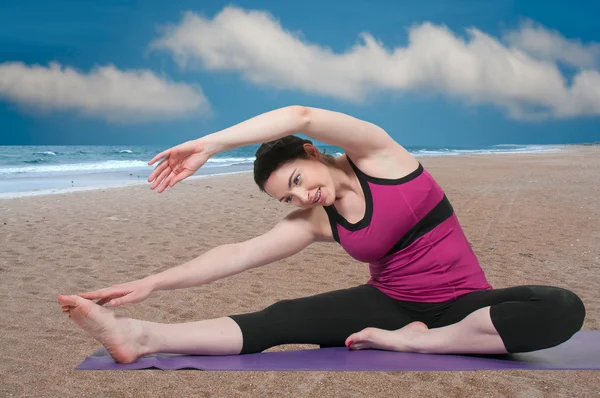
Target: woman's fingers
x,y
174,178
159,156
162,166
185,173
114,297
165,183
93,295
119,301
103,301
104,294
160,178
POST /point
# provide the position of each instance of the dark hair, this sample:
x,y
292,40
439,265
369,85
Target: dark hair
x,y
273,154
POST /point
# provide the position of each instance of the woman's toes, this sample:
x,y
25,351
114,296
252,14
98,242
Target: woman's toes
x,y
356,337
404,339
365,338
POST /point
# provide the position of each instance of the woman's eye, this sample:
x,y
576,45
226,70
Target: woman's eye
x,y
296,182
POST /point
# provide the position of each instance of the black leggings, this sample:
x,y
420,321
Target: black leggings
x,y
527,318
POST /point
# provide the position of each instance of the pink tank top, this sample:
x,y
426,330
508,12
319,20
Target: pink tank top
x,y
411,238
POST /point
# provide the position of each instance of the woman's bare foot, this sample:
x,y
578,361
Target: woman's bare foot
x,y
404,339
122,337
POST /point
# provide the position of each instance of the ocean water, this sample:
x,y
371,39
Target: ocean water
x,y
31,170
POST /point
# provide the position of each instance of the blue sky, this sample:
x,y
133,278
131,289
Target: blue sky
x,y
432,73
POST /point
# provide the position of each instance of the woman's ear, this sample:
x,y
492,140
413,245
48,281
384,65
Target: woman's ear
x,y
312,151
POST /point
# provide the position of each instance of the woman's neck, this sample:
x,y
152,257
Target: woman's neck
x,y
345,179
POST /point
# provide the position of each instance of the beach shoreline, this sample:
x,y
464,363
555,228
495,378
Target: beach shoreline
x,y
113,180
123,184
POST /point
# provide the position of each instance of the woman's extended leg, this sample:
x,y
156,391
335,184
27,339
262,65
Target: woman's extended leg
x,y
128,339
518,319
324,319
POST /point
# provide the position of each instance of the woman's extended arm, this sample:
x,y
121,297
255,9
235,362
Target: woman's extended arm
x,y
289,236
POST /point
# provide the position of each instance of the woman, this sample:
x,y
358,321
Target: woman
x,y
427,292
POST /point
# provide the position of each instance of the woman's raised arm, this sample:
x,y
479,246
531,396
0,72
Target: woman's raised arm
x,y
357,137
354,135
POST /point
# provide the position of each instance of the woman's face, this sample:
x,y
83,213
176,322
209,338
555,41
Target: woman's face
x,y
303,183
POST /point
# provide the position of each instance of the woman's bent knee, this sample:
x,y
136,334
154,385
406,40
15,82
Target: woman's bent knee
x,y
550,316
571,309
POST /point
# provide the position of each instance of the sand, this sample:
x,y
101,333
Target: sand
x,y
531,218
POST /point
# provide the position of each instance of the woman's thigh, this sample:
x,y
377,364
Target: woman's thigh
x,y
547,296
325,319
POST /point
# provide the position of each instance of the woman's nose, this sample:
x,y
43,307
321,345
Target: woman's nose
x,y
306,199
304,196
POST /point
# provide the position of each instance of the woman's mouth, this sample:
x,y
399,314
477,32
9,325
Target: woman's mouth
x,y
318,198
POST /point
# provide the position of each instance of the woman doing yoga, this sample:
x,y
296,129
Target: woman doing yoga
x,y
427,292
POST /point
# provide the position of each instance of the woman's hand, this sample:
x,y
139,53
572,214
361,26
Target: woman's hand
x,y
179,162
124,293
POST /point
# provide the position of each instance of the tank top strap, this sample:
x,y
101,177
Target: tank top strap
x,y
364,178
361,176
332,214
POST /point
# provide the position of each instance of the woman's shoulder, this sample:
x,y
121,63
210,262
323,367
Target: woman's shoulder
x,y
392,162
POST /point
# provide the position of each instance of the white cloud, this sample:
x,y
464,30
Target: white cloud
x,y
478,69
105,92
551,45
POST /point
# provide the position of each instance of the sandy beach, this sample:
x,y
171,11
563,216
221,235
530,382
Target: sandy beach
x,y
531,218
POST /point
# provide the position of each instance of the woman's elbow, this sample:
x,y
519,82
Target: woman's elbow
x,y
302,114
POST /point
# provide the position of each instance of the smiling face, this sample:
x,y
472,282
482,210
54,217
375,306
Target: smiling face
x,y
302,182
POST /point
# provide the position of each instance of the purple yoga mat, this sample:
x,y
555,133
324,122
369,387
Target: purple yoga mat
x,y
582,352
